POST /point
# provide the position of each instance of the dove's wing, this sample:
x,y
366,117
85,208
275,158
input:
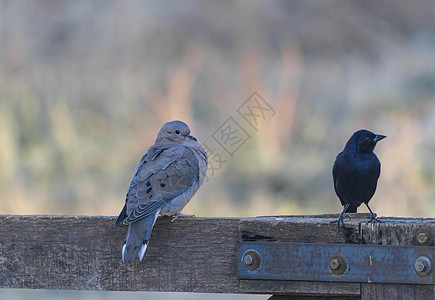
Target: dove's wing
x,y
172,171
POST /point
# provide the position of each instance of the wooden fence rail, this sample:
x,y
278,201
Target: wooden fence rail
x,y
199,255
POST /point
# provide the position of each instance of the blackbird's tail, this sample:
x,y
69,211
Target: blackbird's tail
x,y
351,209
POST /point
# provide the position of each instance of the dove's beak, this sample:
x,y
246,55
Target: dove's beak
x,y
379,137
192,137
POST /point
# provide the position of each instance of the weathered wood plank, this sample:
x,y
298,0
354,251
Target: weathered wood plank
x,y
188,255
299,287
298,297
301,229
396,292
395,231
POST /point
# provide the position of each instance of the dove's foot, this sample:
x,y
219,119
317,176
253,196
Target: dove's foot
x,y
181,215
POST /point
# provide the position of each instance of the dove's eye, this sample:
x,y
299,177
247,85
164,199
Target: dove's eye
x,y
177,131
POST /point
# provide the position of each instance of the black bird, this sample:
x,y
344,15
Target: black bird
x,y
356,171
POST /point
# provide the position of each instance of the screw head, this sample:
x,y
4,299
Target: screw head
x,y
422,265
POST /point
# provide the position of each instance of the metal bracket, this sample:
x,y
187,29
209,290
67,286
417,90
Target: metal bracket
x,y
335,263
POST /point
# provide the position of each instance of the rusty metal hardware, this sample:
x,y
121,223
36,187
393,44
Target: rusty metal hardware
x,y
425,236
251,259
423,265
338,264
335,262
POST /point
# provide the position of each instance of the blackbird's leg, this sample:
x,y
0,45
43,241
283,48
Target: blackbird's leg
x,y
373,218
342,217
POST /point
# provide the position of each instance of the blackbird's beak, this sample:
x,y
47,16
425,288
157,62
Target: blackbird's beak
x,y
379,137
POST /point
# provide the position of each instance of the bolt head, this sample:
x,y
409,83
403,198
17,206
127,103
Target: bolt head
x,y
422,265
251,259
248,260
422,238
338,264
425,236
334,264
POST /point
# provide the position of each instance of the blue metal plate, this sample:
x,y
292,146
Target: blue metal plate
x,y
365,263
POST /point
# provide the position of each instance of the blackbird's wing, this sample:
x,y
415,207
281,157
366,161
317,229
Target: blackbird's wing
x,y
373,176
336,170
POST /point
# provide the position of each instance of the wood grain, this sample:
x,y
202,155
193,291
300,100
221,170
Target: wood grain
x,y
395,231
55,252
187,255
298,297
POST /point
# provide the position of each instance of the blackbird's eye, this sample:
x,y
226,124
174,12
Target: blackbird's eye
x,y
177,131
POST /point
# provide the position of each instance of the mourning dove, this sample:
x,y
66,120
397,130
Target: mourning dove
x,y
166,178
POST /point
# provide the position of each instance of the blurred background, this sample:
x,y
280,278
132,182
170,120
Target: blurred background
x,y
86,85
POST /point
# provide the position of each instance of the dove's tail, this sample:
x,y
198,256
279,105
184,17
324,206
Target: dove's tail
x,y
138,236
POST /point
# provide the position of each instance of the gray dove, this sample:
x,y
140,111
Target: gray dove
x,y
166,178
